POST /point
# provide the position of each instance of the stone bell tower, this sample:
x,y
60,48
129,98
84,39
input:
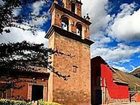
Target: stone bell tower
x,y
69,34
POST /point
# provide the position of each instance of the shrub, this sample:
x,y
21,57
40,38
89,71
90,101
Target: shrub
x,y
47,103
13,102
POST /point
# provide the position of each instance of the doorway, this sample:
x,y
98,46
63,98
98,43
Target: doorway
x,y
37,92
98,96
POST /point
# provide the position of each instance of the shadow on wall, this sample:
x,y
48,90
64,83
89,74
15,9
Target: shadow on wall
x,y
96,91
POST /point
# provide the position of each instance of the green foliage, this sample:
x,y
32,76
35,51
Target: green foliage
x,y
13,102
8,19
47,103
21,56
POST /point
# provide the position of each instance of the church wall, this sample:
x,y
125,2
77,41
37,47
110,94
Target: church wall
x,y
74,56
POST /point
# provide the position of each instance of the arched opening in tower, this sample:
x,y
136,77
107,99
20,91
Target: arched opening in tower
x,y
73,7
65,23
79,29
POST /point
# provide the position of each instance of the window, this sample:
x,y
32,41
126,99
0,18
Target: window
x,y
65,23
73,7
79,29
75,69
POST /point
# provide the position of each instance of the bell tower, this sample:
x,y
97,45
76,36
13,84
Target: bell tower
x,y
69,34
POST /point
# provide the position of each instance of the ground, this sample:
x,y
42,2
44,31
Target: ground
x,y
132,103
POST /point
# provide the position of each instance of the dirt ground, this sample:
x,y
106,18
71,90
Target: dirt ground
x,y
132,103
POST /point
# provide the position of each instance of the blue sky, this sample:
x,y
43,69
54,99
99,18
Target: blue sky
x,y
115,30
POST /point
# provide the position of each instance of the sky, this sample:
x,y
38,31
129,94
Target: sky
x,y
115,30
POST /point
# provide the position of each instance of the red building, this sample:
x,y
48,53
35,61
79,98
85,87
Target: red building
x,y
104,88
24,85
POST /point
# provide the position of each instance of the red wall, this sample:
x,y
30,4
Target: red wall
x,y
22,93
115,91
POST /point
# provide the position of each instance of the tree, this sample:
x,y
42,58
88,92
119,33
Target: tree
x,y
8,19
25,56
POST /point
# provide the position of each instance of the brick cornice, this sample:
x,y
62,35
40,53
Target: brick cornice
x,y
67,34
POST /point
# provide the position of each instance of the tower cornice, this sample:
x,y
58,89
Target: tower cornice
x,y
68,34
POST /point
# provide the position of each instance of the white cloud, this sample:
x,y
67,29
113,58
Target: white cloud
x,y
41,20
120,53
137,67
45,16
127,9
126,24
37,6
134,68
18,35
1,2
100,43
125,61
16,11
120,68
97,12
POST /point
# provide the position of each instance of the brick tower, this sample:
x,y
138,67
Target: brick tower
x,y
69,34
